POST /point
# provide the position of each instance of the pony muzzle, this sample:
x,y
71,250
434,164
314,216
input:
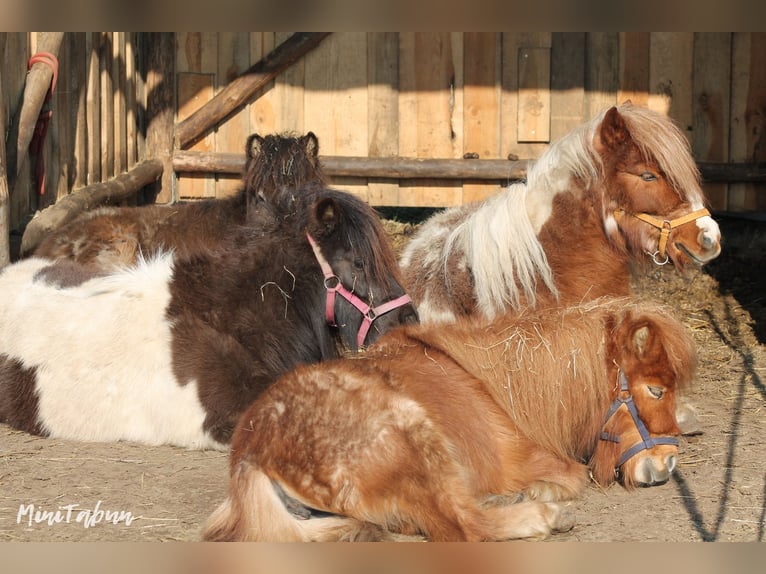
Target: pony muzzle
x,y
666,227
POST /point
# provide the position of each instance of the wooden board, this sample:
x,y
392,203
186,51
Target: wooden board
x,y
383,110
634,68
567,82
481,105
194,90
336,100
710,105
748,117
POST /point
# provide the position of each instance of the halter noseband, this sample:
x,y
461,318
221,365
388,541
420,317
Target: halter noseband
x,y
334,285
665,228
646,441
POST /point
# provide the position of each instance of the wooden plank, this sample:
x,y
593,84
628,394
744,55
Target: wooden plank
x,y
601,71
670,76
107,105
233,60
289,91
336,99
634,68
512,44
119,70
481,105
93,107
78,70
131,91
197,52
194,91
567,82
748,116
263,104
431,117
383,110
534,95
57,149
711,80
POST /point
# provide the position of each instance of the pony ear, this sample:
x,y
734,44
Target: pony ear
x,y
612,132
254,146
640,339
311,143
326,216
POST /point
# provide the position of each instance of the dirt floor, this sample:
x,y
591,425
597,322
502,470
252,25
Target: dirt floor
x,y
127,492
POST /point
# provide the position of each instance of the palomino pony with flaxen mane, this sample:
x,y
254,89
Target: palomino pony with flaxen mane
x,y
174,349
471,432
615,189
110,236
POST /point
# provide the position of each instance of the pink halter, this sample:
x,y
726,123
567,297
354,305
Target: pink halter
x,y
333,285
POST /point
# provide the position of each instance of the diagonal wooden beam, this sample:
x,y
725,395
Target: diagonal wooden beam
x,y
240,90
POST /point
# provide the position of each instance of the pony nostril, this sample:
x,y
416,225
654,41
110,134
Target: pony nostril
x,y
670,462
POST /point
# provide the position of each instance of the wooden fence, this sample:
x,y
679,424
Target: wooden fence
x,y
375,98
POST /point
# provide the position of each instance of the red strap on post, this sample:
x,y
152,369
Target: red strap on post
x,y
43,121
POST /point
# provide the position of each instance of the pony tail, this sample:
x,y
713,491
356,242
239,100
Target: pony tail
x,y
254,512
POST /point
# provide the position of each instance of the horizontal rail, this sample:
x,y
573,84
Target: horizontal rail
x,y
411,168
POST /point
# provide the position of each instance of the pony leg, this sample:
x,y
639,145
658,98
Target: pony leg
x,y
529,520
254,511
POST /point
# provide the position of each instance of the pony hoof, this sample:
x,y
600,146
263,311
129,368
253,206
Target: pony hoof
x,y
564,522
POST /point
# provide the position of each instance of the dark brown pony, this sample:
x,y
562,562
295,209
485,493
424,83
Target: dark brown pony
x,y
618,189
173,349
472,432
111,236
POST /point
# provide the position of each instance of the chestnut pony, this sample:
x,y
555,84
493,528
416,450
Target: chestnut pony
x,y
110,236
472,432
173,349
620,188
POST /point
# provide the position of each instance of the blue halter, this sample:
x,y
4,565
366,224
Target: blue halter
x,y
647,441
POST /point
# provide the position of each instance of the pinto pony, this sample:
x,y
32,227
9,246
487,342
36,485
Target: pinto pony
x,y
174,349
110,236
471,432
623,187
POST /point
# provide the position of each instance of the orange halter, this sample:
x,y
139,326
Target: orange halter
x,y
664,226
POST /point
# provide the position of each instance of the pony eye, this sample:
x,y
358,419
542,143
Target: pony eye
x,y
648,176
358,264
656,392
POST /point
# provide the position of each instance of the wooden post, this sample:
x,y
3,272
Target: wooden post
x,y
245,86
160,102
67,208
36,88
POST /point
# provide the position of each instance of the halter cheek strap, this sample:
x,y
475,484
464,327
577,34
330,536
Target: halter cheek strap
x,y
665,226
333,285
646,441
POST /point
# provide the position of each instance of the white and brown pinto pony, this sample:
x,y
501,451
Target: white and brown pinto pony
x,y
174,349
112,236
623,187
472,432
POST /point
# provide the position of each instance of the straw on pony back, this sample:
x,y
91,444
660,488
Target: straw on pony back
x,y
472,432
622,187
111,236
